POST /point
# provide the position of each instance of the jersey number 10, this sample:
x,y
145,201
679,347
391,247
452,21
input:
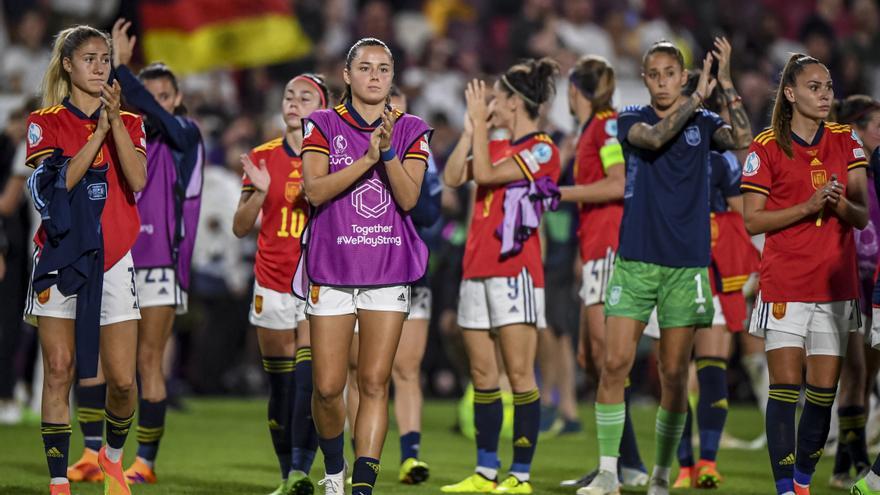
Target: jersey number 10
x,y
292,222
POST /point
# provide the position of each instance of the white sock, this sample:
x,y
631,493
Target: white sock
x,y
608,463
661,473
150,464
872,480
759,378
113,454
58,481
522,477
488,473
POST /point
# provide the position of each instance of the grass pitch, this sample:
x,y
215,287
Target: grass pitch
x,y
222,446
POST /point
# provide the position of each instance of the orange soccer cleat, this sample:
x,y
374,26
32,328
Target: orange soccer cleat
x,y
685,477
707,475
139,473
86,468
114,478
62,489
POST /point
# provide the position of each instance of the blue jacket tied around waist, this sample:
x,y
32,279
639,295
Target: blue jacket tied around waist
x,y
72,257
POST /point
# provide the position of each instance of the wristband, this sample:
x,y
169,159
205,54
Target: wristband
x,y
388,155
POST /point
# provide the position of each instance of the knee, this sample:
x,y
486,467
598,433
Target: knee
x,y
326,392
372,387
404,372
484,377
59,369
121,387
521,379
615,366
674,374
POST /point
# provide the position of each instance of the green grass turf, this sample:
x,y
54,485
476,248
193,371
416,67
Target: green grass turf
x,y
221,446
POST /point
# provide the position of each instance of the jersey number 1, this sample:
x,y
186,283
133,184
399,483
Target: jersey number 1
x,y
292,223
700,297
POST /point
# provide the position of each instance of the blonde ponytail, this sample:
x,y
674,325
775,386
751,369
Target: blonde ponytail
x,y
56,81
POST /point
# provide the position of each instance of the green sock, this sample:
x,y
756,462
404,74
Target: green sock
x,y
609,427
668,431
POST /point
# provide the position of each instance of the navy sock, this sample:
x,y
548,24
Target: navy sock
x,y
526,424
117,428
56,444
712,405
363,476
305,438
488,417
90,413
280,371
852,435
629,446
334,461
409,445
685,446
812,431
151,426
779,425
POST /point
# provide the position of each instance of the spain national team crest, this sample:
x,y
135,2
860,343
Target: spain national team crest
x,y
692,135
258,304
291,191
819,178
314,293
779,310
43,297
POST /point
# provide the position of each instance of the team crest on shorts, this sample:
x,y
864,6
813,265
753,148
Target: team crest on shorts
x,y
258,304
43,297
614,295
315,292
779,310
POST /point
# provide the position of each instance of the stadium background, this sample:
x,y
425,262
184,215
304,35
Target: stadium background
x,y
236,56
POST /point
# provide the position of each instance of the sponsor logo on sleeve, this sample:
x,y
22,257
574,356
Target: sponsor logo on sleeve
x,y
753,163
611,127
858,152
542,153
34,134
856,138
310,126
423,145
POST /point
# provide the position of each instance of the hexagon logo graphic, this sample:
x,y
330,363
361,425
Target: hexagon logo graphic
x,y
371,199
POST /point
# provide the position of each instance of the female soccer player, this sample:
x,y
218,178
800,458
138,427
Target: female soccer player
x,y
599,191
664,247
503,288
169,208
363,166
273,187
863,114
100,152
804,184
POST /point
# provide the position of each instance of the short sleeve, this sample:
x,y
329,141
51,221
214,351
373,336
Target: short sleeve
x,y
134,124
756,175
540,158
731,174
419,150
626,119
855,152
41,140
314,139
605,137
711,122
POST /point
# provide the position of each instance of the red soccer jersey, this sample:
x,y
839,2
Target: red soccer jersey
x,y
539,157
597,151
64,127
813,260
284,215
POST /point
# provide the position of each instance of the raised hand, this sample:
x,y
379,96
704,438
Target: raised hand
x,y
375,140
475,96
111,99
706,83
722,54
123,43
258,175
389,118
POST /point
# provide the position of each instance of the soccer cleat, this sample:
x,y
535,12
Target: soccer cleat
x,y
801,489
707,475
685,477
334,484
632,477
413,471
299,483
582,481
86,468
861,488
658,486
139,473
281,490
475,483
114,478
604,483
61,489
512,484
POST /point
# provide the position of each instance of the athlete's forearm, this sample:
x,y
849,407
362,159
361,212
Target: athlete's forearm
x,y
456,171
406,181
322,188
602,191
653,137
247,212
133,162
759,221
482,167
80,163
739,118
852,213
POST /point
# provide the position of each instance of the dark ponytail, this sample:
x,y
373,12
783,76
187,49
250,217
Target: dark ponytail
x,y
593,76
353,53
533,81
782,109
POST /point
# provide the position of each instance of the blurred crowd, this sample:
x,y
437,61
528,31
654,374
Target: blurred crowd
x,y
438,46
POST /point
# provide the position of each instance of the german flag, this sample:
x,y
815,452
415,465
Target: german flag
x,y
197,35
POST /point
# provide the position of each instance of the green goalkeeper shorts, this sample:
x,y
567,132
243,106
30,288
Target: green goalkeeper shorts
x,y
681,294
